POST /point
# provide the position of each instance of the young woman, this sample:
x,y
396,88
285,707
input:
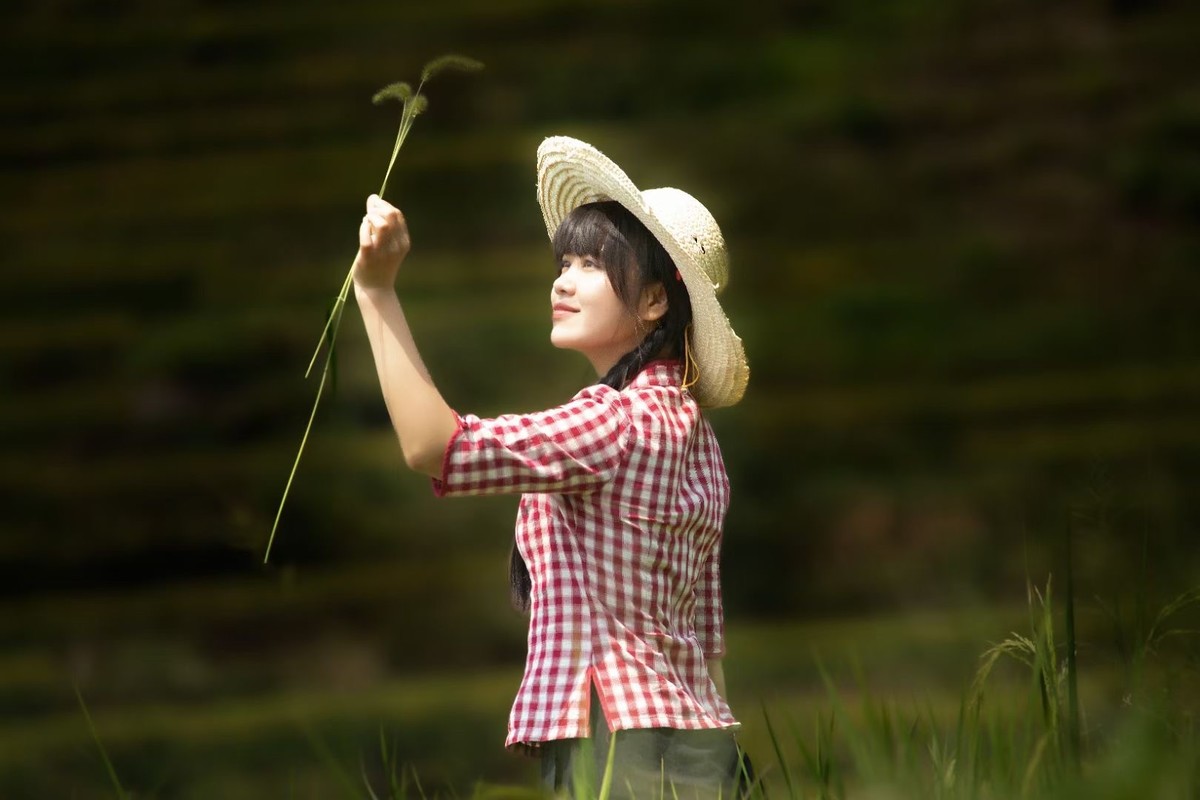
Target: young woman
x,y
623,490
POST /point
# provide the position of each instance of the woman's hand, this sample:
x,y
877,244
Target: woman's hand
x,y
383,243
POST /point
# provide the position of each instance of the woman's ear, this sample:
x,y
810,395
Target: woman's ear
x,y
653,303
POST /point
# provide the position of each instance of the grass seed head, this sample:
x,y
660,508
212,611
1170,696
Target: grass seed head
x,y
450,62
393,91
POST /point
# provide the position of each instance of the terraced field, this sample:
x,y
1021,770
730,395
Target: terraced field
x,y
964,241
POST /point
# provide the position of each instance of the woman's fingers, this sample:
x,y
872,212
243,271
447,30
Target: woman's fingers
x,y
383,212
386,223
383,242
383,236
375,202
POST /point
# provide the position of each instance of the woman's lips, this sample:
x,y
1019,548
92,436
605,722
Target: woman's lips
x,y
561,310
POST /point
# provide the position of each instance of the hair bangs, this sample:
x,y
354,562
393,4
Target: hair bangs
x,y
594,230
585,232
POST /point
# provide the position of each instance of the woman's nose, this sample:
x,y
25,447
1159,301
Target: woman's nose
x,y
563,284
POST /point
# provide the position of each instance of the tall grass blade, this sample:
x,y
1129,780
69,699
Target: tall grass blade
x,y
332,320
825,755
750,784
858,742
1074,731
1141,609
783,762
323,752
417,782
1157,630
108,765
366,779
296,463
606,783
1031,769
387,757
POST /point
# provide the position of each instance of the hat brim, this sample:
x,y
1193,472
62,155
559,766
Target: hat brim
x,y
572,173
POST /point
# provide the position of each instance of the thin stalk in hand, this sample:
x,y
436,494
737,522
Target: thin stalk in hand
x,y
413,104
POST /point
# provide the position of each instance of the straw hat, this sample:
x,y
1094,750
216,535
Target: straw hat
x,y
572,173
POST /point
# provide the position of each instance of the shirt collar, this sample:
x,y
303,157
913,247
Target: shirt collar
x,y
660,372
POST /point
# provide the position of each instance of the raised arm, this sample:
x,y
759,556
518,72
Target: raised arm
x,y
424,423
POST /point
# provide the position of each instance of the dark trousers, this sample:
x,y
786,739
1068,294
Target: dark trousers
x,y
647,764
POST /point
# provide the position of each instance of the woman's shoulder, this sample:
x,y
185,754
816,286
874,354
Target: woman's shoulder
x,y
658,393
652,378
656,390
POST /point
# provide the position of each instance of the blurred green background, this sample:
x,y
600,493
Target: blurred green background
x,y
964,252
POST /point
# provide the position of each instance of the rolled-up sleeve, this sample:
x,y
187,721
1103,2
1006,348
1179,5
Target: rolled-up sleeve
x,y
575,447
710,615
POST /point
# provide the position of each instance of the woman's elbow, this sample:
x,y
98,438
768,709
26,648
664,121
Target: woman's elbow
x,y
425,442
425,459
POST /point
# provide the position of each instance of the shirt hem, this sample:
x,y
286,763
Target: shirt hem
x,y
517,741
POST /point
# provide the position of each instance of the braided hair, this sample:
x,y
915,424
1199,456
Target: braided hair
x,y
633,260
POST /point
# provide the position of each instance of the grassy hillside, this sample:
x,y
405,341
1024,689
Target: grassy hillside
x,y
961,235
964,243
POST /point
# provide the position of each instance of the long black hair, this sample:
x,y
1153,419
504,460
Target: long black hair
x,y
633,259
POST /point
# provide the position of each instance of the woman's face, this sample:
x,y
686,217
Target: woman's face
x,y
588,316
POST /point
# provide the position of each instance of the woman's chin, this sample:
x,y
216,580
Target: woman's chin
x,y
562,341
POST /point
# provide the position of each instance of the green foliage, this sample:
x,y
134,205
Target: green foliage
x,y
996,748
1141,633
993,740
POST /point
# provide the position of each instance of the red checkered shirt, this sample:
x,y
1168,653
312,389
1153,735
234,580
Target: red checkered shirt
x,y
623,497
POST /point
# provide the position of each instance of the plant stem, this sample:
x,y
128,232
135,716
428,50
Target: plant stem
x,y
330,332
414,104
303,442
112,772
1073,722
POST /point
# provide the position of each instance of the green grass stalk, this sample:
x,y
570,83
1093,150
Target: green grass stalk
x,y
414,103
1074,727
606,783
323,752
783,762
108,765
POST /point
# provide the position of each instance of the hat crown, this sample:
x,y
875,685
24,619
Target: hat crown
x,y
694,229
